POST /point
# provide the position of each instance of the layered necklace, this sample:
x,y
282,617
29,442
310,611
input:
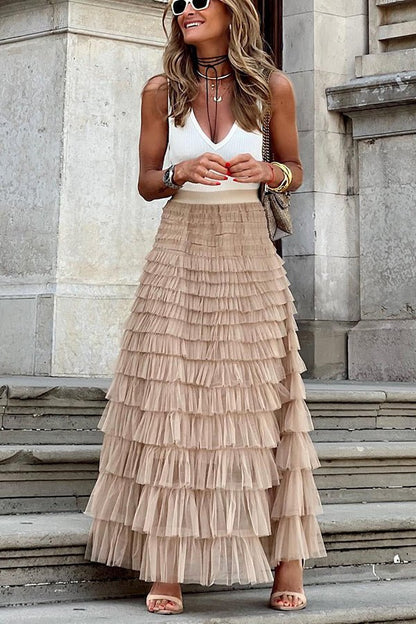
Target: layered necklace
x,y
211,62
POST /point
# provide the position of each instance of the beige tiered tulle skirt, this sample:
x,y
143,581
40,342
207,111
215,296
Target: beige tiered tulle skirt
x,y
206,465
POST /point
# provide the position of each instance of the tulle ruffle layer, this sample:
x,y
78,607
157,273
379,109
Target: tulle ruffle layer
x,y
206,466
220,560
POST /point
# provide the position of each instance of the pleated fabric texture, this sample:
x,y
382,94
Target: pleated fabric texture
x,y
205,472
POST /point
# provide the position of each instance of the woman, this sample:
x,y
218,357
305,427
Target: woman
x,y
205,472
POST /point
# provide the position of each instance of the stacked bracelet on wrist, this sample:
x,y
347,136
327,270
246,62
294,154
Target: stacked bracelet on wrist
x,y
287,179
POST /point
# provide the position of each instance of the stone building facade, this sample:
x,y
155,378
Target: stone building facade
x,y
74,231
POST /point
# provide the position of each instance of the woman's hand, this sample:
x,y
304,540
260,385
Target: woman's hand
x,y
206,169
244,168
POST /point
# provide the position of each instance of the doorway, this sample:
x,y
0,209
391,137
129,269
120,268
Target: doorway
x,y
271,15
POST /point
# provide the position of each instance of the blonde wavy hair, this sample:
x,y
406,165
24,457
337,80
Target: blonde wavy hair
x,y
250,63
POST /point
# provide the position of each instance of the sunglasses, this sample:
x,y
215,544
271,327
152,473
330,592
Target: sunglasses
x,y
179,6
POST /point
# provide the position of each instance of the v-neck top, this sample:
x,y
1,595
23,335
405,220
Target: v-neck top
x,y
191,141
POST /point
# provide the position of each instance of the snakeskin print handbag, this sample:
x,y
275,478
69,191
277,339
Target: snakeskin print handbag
x,y
276,204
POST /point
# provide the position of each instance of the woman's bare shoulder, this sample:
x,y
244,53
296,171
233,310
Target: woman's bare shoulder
x,y
155,93
155,83
281,85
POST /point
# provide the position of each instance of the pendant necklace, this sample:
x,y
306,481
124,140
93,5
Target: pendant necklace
x,y
211,62
214,85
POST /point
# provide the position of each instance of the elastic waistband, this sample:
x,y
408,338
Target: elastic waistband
x,y
217,197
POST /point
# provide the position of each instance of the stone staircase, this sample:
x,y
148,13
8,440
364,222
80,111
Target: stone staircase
x,y
365,435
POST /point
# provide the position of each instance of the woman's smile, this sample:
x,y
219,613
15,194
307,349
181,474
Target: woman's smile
x,y
193,24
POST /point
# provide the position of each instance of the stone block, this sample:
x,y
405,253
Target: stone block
x,y
337,288
76,230
385,63
365,495
129,22
372,92
50,421
18,436
69,591
359,554
325,120
384,122
302,241
343,422
304,86
59,574
44,334
301,274
18,334
388,247
334,162
341,8
323,348
336,225
71,487
388,161
45,504
363,435
307,156
116,227
298,27
398,30
88,334
383,350
296,7
31,166
344,39
397,422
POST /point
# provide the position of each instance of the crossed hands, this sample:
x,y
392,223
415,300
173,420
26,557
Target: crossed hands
x,y
211,169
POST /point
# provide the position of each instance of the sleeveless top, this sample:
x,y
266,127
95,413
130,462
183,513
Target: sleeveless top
x,y
191,141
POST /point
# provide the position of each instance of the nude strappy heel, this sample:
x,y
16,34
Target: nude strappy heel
x,y
299,595
166,611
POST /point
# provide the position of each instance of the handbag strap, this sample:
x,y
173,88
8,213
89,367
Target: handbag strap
x,y
266,146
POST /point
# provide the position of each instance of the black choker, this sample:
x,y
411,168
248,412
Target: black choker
x,y
211,62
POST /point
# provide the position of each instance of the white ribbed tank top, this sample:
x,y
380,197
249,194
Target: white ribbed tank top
x,y
191,141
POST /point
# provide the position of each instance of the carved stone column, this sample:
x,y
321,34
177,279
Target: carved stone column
x,y
320,41
74,230
381,102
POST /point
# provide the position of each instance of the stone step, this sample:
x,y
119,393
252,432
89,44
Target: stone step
x,y
357,412
50,478
49,410
376,602
42,555
47,477
366,472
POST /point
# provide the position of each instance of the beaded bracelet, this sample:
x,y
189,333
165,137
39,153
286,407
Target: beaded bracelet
x,y
272,169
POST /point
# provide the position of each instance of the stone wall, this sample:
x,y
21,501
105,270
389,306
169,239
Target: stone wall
x,y
381,103
321,39
74,229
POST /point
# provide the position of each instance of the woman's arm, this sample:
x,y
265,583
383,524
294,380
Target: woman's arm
x,y
207,169
283,129
153,140
284,141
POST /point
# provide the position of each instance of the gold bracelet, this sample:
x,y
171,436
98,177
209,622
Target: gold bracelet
x,y
288,171
287,179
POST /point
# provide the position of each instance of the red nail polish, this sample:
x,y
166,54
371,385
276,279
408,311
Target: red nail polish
x,y
217,183
227,165
234,180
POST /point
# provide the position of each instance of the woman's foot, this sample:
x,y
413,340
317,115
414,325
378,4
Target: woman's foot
x,y
167,589
288,577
